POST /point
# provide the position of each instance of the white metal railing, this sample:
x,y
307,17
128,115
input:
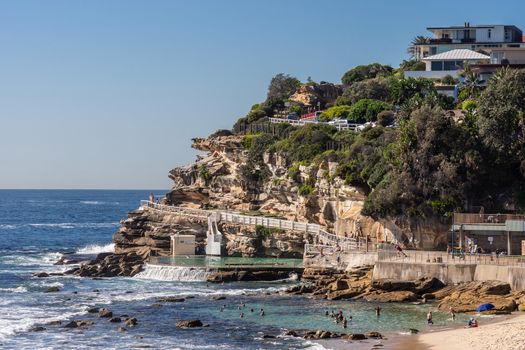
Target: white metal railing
x,y
347,126
442,257
321,236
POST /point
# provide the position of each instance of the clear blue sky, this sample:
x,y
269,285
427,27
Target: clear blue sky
x,y
108,94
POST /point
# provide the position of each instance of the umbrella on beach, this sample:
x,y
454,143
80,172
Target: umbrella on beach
x,y
484,307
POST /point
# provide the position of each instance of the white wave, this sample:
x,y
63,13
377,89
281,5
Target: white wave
x,y
98,202
69,225
95,249
19,289
60,225
314,346
173,273
7,226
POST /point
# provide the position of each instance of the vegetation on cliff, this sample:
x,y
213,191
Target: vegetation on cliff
x,y
417,159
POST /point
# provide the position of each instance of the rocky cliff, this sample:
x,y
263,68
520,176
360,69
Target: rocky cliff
x,y
216,181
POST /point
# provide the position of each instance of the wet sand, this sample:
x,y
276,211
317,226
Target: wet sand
x,y
507,333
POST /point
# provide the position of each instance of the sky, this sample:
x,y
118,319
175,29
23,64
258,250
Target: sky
x,y
107,94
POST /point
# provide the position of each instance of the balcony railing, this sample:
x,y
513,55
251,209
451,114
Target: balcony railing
x,y
495,219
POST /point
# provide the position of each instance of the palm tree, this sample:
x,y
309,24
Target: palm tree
x,y
414,50
471,80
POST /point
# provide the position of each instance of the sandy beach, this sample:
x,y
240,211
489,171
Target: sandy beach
x,y
507,334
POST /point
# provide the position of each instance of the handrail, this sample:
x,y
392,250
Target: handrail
x,y
345,243
301,122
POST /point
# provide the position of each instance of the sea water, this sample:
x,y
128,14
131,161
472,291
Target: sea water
x,y
37,227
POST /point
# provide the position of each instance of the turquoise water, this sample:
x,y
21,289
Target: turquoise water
x,y
37,227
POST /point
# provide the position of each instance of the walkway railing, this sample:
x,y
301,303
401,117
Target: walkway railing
x,y
473,218
348,126
321,236
438,257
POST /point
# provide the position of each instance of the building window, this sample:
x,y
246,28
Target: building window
x,y
437,65
449,65
507,35
490,33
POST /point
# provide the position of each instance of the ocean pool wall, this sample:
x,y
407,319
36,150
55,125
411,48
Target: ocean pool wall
x,y
451,273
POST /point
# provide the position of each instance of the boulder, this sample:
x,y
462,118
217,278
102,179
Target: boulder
x,y
398,296
93,310
393,285
41,274
374,335
115,319
188,323
218,297
171,299
37,329
521,307
54,323
354,336
52,290
131,322
105,313
290,333
428,285
268,336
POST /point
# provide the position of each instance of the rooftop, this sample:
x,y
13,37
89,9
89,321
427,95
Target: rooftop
x,y
467,26
457,55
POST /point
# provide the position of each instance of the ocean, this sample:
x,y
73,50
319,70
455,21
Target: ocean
x,y
38,226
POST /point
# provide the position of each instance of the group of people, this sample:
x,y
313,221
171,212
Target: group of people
x,y
241,308
339,318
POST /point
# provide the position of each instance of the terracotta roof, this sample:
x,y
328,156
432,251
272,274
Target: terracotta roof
x,y
458,55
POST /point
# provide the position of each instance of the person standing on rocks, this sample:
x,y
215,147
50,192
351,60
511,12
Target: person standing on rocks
x,y
151,197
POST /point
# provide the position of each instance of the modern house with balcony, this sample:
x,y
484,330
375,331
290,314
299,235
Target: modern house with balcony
x,y
512,57
478,37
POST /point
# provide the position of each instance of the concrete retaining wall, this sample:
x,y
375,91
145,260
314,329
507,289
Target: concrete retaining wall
x,y
451,273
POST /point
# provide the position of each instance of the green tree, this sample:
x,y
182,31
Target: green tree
x,y
377,89
281,87
363,72
366,110
336,112
414,50
501,111
412,65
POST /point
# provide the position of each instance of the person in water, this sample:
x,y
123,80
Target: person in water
x,y
429,318
262,312
344,322
378,311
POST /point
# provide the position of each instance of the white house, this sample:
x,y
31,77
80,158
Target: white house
x,y
484,37
447,63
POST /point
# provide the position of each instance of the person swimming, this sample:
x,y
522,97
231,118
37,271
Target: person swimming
x,y
262,312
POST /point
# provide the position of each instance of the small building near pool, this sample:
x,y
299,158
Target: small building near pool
x,y
182,244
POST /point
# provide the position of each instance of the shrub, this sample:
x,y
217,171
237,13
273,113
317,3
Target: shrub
x,y
376,89
204,172
366,110
248,140
469,105
305,190
360,73
385,118
336,112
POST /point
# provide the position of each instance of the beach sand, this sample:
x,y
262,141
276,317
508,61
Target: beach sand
x,y
506,334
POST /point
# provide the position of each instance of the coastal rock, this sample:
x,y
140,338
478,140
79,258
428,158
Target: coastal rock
x,y
93,310
354,336
121,329
171,299
52,290
105,313
466,297
374,335
41,274
115,319
37,329
79,323
54,323
131,322
188,324
387,297
268,336
521,307
290,333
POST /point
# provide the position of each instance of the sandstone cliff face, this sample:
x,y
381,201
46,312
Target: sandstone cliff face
x,y
215,180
